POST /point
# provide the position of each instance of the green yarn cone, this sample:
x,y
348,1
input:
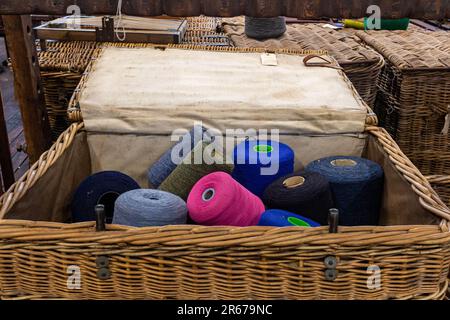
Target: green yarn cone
x,y
185,176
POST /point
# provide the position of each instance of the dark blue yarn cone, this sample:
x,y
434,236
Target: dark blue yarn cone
x,y
312,198
162,168
251,156
101,188
357,187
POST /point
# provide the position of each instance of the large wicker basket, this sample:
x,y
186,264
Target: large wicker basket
x,y
361,64
194,262
411,248
414,94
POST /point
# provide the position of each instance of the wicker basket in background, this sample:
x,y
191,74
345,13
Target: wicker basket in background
x,y
205,24
414,94
206,31
361,64
62,65
205,38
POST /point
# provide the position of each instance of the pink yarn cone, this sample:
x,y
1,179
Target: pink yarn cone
x,y
219,200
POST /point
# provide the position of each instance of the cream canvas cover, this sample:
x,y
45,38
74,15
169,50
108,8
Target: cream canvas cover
x,y
134,98
154,91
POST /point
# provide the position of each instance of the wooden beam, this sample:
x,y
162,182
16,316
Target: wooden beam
x,y
27,84
6,166
302,9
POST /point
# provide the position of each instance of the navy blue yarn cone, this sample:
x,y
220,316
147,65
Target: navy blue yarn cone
x,y
281,218
251,156
357,186
162,168
101,188
304,193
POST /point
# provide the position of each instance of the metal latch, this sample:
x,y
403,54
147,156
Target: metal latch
x,y
331,262
107,32
102,262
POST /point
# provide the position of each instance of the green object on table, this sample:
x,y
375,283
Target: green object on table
x,y
391,24
386,24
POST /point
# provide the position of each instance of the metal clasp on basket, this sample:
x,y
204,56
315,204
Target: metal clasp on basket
x,y
330,262
105,33
102,262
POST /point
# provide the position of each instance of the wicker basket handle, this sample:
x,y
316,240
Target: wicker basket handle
x,y
325,63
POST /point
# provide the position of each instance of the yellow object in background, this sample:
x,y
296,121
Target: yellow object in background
x,y
355,24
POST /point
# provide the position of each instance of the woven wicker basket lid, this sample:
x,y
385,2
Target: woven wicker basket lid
x,y
344,46
412,49
72,56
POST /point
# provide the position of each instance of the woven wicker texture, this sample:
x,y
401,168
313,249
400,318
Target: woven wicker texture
x,y
205,31
414,98
206,38
210,24
194,262
62,66
442,186
361,64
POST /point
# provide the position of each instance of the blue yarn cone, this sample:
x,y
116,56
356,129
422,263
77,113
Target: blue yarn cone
x,y
357,187
259,163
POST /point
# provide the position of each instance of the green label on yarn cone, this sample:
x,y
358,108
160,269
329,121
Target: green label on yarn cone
x,y
297,222
263,148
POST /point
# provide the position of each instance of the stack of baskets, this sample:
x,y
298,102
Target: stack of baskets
x,y
413,102
361,64
62,65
